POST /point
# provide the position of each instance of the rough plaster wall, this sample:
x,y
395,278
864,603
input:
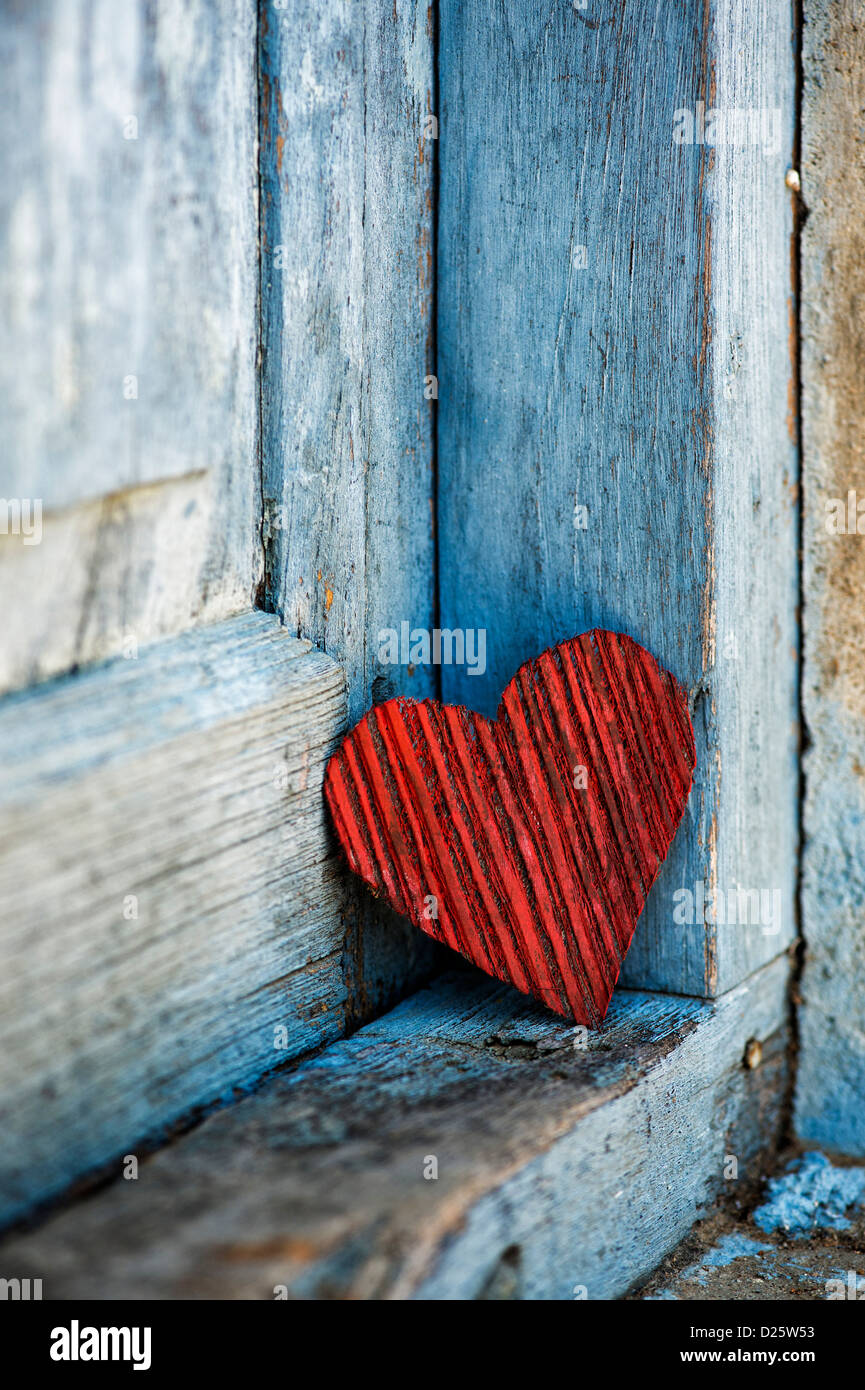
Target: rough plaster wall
x,y
831,1081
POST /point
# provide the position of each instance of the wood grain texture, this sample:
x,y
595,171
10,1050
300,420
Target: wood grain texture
x,y
347,319
347,327
128,318
169,897
615,378
111,575
831,1075
528,844
556,1167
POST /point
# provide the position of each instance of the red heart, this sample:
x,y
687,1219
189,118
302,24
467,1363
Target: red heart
x,y
481,833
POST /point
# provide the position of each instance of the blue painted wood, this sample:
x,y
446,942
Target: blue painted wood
x,y
615,381
171,924
347,324
128,335
555,373
468,1145
346,176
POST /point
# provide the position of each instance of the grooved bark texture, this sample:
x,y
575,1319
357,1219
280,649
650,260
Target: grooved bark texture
x,y
528,844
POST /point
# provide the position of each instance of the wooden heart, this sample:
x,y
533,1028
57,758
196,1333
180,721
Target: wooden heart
x,y
528,843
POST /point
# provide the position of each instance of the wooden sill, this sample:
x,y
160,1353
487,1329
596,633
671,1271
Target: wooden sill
x,y
559,1169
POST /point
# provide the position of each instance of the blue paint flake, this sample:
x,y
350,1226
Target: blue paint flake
x,y
813,1195
729,1248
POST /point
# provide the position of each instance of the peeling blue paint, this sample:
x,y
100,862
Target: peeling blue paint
x,y
812,1195
729,1248
732,1247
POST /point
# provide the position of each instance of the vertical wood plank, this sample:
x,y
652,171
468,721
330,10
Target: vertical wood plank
x,y
831,1075
614,364
347,319
347,311
128,288
753,595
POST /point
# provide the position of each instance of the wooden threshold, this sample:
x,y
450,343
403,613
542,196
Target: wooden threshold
x,y
465,1146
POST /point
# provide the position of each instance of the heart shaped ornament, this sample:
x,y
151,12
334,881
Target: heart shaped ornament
x,y
529,843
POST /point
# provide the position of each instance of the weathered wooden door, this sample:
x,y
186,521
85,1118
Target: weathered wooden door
x,y
364,323
328,324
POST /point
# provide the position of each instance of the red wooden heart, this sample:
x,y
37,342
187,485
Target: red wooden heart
x,y
492,840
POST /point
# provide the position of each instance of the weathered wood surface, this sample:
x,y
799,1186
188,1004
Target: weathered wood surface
x,y
347,323
831,1077
169,899
128,322
529,843
616,436
557,1168
347,164
116,573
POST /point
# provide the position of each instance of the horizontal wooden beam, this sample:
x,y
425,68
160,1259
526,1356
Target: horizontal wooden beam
x,y
171,911
467,1145
113,574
